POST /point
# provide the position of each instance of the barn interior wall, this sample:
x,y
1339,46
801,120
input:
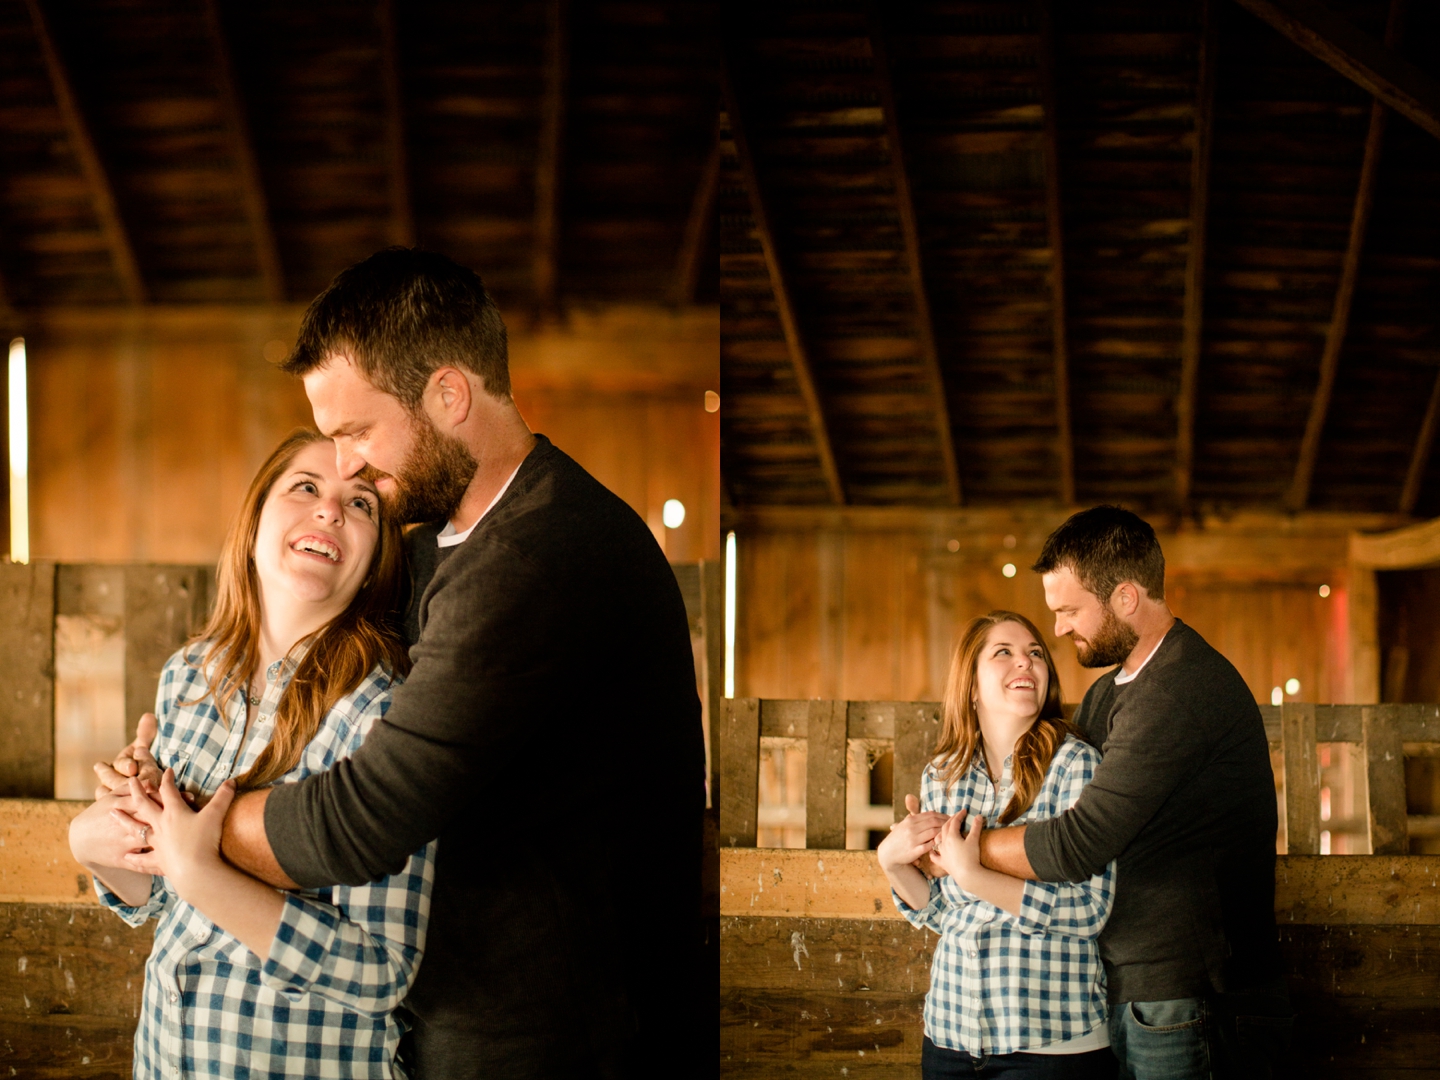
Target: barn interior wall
x,y
146,426
867,605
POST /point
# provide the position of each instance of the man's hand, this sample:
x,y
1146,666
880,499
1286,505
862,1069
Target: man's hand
x,y
134,760
959,855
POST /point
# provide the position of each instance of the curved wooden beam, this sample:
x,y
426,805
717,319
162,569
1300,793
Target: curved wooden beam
x,y
780,285
1356,55
909,228
102,194
242,147
1191,336
1299,494
698,226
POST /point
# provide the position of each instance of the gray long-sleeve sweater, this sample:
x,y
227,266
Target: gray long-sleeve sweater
x,y
1185,800
549,735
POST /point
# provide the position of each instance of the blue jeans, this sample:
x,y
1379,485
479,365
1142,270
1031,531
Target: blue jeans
x,y
938,1063
1220,1037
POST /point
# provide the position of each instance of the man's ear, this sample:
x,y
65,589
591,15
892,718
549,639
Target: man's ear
x,y
448,396
1127,598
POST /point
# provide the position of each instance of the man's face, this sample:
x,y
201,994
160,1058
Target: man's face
x,y
1101,638
421,474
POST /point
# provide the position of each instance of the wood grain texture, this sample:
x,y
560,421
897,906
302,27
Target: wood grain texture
x,y
1191,329
550,154
35,861
1299,493
769,1033
70,990
1385,780
739,771
27,705
1302,779
914,258
82,142
402,211
164,606
1054,220
1360,58
825,776
917,728
699,228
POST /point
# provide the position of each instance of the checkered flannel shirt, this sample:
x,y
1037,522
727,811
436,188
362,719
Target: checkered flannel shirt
x,y
322,1003
1001,983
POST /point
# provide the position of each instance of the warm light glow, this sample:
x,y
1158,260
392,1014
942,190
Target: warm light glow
x,y
1277,696
673,514
712,401
1324,804
953,545
1008,569
1292,686
1325,842
19,456
1009,541
1324,590
730,615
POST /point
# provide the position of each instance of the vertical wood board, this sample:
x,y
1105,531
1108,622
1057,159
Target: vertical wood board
x,y
916,730
27,689
164,605
825,775
739,771
1385,780
1302,779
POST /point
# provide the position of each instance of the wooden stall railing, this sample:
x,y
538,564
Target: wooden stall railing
x,y
819,974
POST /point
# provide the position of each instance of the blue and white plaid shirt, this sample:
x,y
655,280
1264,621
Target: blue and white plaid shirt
x,y
1002,983
322,1003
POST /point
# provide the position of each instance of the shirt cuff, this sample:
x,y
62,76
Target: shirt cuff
x,y
301,945
926,917
134,916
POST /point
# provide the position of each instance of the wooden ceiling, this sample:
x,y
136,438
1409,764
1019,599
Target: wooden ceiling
x,y
1165,252
175,151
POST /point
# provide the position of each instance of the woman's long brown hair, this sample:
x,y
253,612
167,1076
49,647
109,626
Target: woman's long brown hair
x,y
959,740
339,655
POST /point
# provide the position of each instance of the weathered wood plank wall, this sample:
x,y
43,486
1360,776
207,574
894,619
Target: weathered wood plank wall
x,y
153,421
866,604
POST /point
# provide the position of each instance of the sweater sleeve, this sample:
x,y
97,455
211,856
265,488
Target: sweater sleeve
x,y
1155,744
480,674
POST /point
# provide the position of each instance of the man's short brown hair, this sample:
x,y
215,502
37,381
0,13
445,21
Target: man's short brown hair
x,y
1104,547
399,316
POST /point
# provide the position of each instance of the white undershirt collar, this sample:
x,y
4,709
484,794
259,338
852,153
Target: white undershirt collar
x,y
450,538
1121,678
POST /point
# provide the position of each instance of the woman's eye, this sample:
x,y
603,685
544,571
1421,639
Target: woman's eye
x,y
306,485
364,504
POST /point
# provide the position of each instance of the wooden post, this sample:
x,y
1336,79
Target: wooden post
x,y
712,604
1364,615
27,691
164,605
916,729
825,775
1385,779
739,771
1302,779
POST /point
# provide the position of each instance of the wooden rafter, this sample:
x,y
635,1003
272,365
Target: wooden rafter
x,y
402,214
1065,440
1420,456
549,154
1190,338
698,226
905,202
102,194
242,148
780,286
1299,494
1356,55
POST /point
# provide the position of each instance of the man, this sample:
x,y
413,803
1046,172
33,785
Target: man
x,y
551,707
1184,799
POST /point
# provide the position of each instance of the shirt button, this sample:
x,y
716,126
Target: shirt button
x,y
174,997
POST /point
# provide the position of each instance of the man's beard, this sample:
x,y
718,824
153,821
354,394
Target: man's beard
x,y
1111,644
432,480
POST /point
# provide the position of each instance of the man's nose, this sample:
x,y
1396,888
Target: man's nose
x,y
1061,627
347,461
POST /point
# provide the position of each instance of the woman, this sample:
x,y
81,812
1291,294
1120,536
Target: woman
x,y
296,664
1016,978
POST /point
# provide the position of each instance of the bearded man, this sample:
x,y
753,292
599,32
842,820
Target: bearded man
x,y
551,708
1184,799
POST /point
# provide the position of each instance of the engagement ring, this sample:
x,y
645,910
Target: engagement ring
x,y
144,832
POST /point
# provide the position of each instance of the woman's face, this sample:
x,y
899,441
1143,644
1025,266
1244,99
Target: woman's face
x,y
317,532
1011,676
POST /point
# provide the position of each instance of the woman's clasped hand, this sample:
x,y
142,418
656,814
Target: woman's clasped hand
x,y
182,843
